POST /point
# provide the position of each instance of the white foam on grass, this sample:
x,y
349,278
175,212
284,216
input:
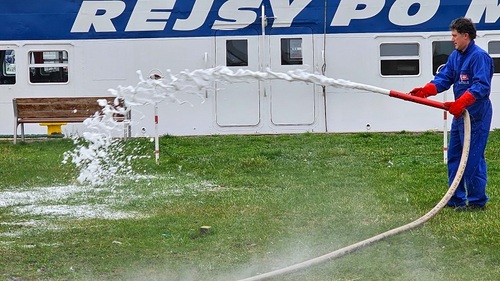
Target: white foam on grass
x,y
95,211
50,208
52,201
40,194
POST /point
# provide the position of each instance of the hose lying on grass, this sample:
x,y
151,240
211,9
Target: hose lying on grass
x,y
351,248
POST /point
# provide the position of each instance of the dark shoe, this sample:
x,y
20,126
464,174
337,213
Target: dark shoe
x,y
470,208
461,208
477,207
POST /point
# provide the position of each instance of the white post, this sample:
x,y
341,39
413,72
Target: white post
x,y
157,139
445,125
263,19
445,132
156,76
262,50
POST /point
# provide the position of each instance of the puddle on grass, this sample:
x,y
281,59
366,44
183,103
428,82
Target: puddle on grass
x,y
53,204
49,208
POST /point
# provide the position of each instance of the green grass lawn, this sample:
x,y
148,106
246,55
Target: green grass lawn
x,y
271,201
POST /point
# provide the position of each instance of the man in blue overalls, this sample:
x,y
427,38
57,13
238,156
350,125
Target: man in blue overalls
x,y
470,70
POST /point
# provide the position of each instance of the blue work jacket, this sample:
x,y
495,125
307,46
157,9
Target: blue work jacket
x,y
469,70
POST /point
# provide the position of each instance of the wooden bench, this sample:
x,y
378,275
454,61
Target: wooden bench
x,y
61,110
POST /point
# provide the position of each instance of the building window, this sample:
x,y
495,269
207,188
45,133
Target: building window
x,y
48,66
236,53
8,71
291,51
399,59
441,50
494,51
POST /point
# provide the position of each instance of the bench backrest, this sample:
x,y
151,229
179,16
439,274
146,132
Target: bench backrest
x,y
59,107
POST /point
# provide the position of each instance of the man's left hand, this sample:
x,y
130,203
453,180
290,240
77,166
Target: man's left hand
x,y
457,107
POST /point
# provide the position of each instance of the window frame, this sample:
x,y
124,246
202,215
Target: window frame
x,y
61,63
402,58
434,67
7,78
495,56
288,55
244,61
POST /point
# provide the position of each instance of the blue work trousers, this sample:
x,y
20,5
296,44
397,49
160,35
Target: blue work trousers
x,y
472,187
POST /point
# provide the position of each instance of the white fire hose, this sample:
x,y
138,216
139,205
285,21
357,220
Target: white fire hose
x,y
202,79
351,248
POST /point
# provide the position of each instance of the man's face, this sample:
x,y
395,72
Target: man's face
x,y
460,40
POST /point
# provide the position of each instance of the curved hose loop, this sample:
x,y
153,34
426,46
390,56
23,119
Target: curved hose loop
x,y
349,249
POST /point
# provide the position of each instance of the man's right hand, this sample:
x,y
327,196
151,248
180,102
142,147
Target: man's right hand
x,y
424,92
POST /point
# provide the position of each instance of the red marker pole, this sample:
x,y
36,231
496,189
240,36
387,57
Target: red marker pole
x,y
157,141
156,76
445,137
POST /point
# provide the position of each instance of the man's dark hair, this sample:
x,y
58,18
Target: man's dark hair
x,y
464,25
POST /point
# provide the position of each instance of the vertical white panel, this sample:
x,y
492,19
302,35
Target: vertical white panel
x,y
292,103
238,103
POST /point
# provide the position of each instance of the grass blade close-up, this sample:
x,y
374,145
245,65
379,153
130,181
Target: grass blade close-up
x,y
231,207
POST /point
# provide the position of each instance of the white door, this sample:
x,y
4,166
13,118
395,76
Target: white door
x,y
272,105
237,104
292,103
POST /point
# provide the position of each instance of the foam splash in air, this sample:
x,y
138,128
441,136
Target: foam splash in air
x,y
150,91
99,154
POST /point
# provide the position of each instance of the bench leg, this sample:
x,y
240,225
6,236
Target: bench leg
x,y
127,127
128,122
15,132
127,130
22,132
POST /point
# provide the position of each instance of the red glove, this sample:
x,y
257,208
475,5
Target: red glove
x,y
457,107
424,92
